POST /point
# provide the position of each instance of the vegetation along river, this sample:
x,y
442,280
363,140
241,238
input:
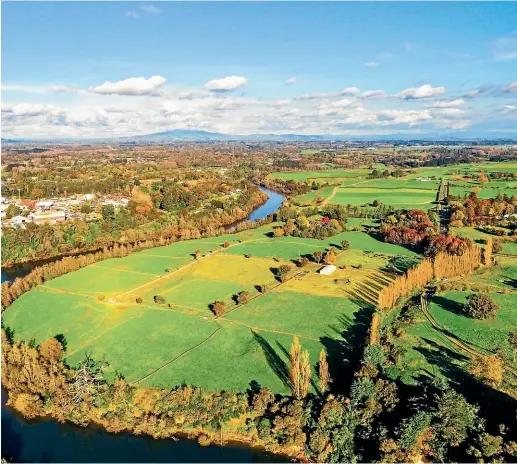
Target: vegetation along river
x,y
48,441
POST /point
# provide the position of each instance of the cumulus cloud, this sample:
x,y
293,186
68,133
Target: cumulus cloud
x,y
373,93
313,96
291,80
450,111
350,91
510,88
282,102
448,103
371,64
424,91
137,86
226,83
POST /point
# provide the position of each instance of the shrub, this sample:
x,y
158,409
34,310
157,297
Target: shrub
x,y
139,300
218,308
480,306
226,244
101,297
303,262
168,269
158,299
243,297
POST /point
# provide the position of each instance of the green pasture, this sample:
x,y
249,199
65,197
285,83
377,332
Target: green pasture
x,y
310,197
302,176
399,198
485,334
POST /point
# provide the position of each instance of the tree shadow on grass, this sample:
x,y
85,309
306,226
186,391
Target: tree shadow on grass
x,y
496,406
345,350
275,362
61,339
449,305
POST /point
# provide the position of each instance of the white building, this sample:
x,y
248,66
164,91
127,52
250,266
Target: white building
x,y
44,204
51,217
18,221
327,270
88,197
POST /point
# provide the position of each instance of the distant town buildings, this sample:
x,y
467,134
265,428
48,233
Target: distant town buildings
x,y
53,210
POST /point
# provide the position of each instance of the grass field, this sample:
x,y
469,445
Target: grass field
x,y
95,310
398,198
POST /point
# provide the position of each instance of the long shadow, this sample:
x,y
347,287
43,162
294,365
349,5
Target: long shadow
x,y
345,351
450,305
275,362
496,406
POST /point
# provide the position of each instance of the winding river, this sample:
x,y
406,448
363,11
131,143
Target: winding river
x,y
44,440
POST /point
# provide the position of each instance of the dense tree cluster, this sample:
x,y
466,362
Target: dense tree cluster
x,y
481,211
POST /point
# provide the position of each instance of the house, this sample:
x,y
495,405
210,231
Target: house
x,y
327,270
18,221
88,197
51,217
44,205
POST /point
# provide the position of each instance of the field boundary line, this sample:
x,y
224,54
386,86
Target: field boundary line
x,y
113,300
101,334
424,305
168,363
259,329
276,284
123,270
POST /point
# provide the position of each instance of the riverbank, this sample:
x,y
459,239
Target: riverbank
x,y
46,440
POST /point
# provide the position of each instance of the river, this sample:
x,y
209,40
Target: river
x,y
43,440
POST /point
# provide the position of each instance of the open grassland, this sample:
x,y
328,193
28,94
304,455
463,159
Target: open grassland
x,y
95,309
463,178
301,176
485,334
429,351
398,198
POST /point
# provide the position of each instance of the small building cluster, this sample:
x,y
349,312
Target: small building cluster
x,y
50,211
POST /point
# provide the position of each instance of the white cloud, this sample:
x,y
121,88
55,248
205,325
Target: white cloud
x,y
371,64
350,91
448,103
450,111
282,102
132,86
132,14
150,8
313,96
510,88
373,93
291,80
226,83
509,108
424,91
473,93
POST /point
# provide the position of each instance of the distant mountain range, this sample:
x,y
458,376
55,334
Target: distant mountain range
x,y
184,135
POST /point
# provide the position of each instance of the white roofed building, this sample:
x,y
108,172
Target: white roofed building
x,y
327,270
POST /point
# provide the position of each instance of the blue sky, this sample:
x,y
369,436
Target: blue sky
x,y
121,68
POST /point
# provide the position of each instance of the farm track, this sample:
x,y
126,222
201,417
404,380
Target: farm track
x,y
464,346
168,363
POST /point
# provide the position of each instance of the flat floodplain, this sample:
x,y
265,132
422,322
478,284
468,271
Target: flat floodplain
x,y
162,345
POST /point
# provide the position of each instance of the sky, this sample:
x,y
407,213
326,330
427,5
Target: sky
x,y
109,69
